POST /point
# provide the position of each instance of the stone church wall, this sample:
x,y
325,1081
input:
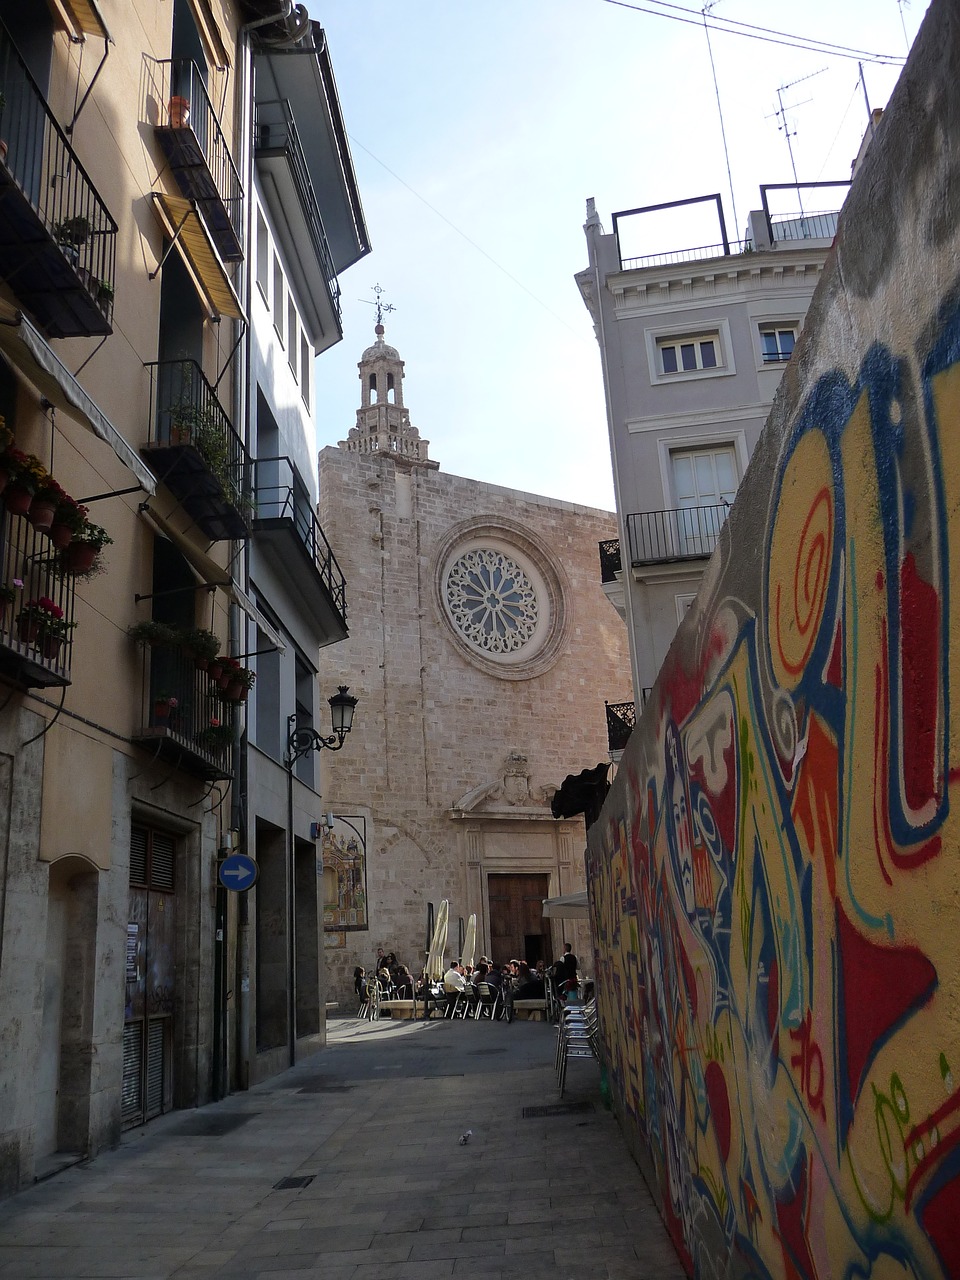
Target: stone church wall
x,y
454,757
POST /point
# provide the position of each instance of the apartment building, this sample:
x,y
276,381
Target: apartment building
x,y
693,344
135,351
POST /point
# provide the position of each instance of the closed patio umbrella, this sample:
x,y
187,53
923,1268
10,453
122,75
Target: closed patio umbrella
x,y
469,941
438,943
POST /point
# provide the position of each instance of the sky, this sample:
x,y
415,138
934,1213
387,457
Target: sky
x,y
478,131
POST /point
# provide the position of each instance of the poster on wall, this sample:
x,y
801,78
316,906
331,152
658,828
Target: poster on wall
x,y
345,874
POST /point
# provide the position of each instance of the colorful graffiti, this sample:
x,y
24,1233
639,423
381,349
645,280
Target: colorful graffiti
x,y
774,875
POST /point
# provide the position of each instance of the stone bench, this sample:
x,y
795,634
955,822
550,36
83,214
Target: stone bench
x,y
398,1008
534,1010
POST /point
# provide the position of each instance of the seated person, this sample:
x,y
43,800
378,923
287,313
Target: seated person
x,y
360,981
403,982
453,979
530,985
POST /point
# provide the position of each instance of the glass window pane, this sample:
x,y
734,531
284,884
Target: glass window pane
x,y
683,477
769,341
688,355
669,357
708,355
726,475
787,339
706,485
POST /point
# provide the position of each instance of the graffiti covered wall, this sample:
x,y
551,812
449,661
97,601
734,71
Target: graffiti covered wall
x,y
775,877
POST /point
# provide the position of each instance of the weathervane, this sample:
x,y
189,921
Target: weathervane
x,y
383,308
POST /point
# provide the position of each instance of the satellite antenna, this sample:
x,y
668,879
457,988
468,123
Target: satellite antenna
x,y
784,125
383,308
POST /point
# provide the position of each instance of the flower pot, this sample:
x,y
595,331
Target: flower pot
x,y
61,535
178,112
161,713
49,645
200,662
41,513
27,629
180,434
224,680
234,691
78,557
17,499
214,670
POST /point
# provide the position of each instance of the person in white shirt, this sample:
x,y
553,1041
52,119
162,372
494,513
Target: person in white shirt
x,y
453,979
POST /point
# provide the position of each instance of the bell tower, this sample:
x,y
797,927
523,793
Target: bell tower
x,y
383,424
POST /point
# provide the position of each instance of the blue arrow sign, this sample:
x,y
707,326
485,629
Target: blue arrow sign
x,y
238,872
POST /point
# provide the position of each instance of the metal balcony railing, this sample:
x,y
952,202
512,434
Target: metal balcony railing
x,y
57,238
684,534
275,130
701,253
33,652
805,226
621,721
192,444
189,131
610,564
279,497
184,719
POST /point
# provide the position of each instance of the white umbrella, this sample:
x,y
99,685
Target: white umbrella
x,y
438,943
469,941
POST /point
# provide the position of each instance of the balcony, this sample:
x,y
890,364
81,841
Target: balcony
x,y
190,726
295,214
193,448
29,656
189,133
57,238
621,720
288,532
610,564
689,533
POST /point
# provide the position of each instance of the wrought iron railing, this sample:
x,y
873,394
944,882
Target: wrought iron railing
x,y
700,253
184,708
686,533
621,721
276,130
185,409
38,156
278,495
610,564
32,573
805,226
184,103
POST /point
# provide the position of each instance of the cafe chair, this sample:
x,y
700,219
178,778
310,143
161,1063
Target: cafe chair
x,y
487,1002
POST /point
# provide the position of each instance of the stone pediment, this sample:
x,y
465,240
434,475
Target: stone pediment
x,y
510,795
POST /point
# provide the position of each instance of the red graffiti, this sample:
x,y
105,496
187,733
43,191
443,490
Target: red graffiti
x,y
920,692
816,803
810,1061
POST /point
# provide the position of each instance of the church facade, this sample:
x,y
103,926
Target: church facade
x,y
481,648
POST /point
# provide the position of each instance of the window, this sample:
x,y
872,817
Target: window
x,y
687,355
305,369
683,602
292,335
776,345
704,485
263,258
306,680
278,297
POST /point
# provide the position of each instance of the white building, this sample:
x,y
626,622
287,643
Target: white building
x,y
693,344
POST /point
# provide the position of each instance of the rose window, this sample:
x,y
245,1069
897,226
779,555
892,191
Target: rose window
x,y
492,601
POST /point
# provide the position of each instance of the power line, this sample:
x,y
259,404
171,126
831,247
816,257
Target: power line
x,y
768,35
463,235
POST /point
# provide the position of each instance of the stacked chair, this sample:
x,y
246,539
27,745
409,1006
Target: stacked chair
x,y
578,1036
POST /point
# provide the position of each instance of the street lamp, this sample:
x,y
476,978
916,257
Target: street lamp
x,y
301,742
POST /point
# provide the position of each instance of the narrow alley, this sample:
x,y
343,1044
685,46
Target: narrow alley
x,y
350,1167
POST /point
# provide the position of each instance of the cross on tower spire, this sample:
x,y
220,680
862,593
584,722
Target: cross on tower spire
x,y
383,308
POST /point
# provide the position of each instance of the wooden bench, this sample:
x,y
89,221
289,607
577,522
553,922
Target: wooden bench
x,y
398,1008
533,1010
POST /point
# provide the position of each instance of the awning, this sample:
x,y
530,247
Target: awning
x,y
84,17
184,224
30,353
211,34
568,906
212,574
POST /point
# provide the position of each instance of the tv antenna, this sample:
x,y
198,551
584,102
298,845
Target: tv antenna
x,y
383,308
783,123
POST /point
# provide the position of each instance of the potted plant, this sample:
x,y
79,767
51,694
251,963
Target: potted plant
x,y
241,682
178,111
73,232
46,500
68,522
104,294
215,736
41,622
229,669
163,705
8,593
81,555
154,634
27,473
203,646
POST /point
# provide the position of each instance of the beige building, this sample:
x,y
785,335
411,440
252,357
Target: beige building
x,y
477,629
128,154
